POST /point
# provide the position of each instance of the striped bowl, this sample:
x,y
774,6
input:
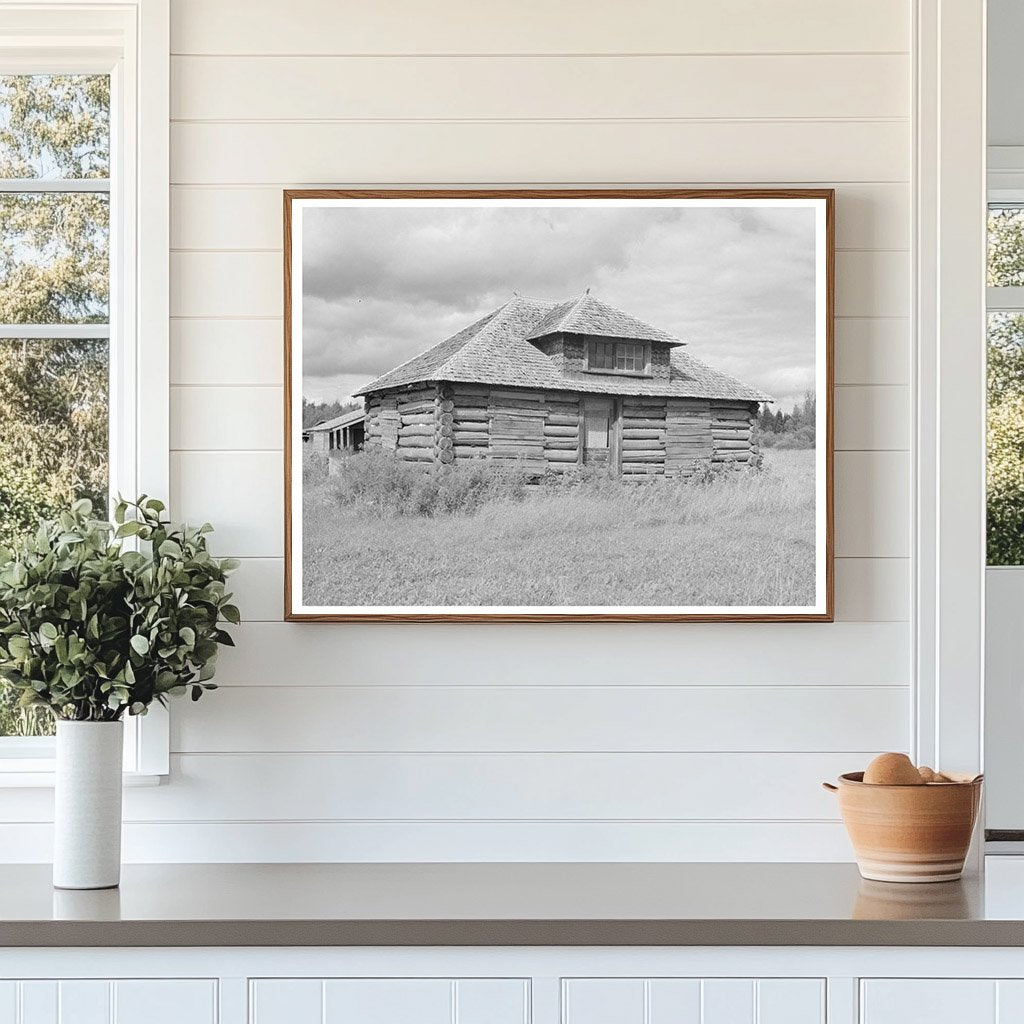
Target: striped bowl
x,y
909,833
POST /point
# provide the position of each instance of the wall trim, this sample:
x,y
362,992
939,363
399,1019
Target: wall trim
x,y
949,446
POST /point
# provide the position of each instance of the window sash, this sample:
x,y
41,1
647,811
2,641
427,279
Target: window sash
x,y
627,357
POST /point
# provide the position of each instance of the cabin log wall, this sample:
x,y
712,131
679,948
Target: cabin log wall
x,y
732,432
542,431
643,436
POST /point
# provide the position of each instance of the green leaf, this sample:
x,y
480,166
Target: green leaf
x,y
18,646
49,631
170,549
140,644
231,613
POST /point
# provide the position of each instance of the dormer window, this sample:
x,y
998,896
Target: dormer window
x,y
626,357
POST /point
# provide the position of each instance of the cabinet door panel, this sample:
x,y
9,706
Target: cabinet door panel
x,y
728,1001
165,1002
492,1001
929,1001
791,1001
8,1002
38,1002
603,1001
388,1001
674,1000
84,1002
286,1001
1010,1002
694,1001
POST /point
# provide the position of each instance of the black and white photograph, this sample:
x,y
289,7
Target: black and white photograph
x,y
559,405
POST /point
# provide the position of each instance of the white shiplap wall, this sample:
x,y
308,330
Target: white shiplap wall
x,y
683,741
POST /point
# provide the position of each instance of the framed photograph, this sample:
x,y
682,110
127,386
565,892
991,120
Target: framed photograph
x,y
558,405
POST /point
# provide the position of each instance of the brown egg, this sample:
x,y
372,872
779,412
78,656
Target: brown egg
x,y
929,774
893,770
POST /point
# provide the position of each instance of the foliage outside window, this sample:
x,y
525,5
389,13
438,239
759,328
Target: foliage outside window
x,y
54,308
1005,476
617,356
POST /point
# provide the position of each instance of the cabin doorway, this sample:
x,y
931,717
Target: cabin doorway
x,y
599,425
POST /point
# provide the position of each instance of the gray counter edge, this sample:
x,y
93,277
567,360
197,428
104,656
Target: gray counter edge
x,y
509,933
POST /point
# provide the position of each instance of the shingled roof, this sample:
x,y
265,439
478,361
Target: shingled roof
x,y
496,349
344,420
587,315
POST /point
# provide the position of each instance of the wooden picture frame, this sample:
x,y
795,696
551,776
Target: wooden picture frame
x,y
358,429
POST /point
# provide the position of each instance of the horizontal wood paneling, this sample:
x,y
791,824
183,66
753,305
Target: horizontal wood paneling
x,y
872,589
872,418
227,352
538,88
872,350
868,216
568,151
867,589
625,653
329,841
218,418
233,284
241,493
462,26
872,501
459,787
873,283
630,718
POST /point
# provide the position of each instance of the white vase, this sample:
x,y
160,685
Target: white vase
x,y
87,805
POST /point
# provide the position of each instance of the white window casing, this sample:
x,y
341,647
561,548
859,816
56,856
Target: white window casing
x,y
130,42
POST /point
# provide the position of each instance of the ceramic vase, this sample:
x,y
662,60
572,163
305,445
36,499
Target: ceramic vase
x,y
87,805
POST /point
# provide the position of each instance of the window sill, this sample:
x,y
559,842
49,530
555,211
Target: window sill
x,y
619,373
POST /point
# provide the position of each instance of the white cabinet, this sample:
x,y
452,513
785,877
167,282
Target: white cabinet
x,y
693,1001
941,1001
95,1001
389,1001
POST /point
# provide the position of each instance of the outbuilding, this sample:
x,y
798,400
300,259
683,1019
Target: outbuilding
x,y
553,385
342,433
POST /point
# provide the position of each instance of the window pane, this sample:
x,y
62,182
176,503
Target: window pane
x,y
54,257
54,126
1005,481
53,449
1005,246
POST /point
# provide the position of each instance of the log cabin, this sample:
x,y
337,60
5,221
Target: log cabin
x,y
555,385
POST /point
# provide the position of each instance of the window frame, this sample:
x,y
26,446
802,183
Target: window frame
x,y
130,41
616,343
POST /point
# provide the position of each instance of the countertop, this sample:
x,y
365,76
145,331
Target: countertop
x,y
510,904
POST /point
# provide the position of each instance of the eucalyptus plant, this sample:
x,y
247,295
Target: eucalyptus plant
x,y
98,619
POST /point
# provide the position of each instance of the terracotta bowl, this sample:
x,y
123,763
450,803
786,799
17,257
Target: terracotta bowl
x,y
909,833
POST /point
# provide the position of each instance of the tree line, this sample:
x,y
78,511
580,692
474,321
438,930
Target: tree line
x,y
794,429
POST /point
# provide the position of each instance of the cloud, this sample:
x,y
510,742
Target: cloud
x,y
383,284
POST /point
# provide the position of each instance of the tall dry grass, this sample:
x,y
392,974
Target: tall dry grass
x,y
745,538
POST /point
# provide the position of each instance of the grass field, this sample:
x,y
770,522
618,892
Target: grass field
x,y
744,539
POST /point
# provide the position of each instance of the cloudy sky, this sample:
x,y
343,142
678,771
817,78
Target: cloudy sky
x,y
383,284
